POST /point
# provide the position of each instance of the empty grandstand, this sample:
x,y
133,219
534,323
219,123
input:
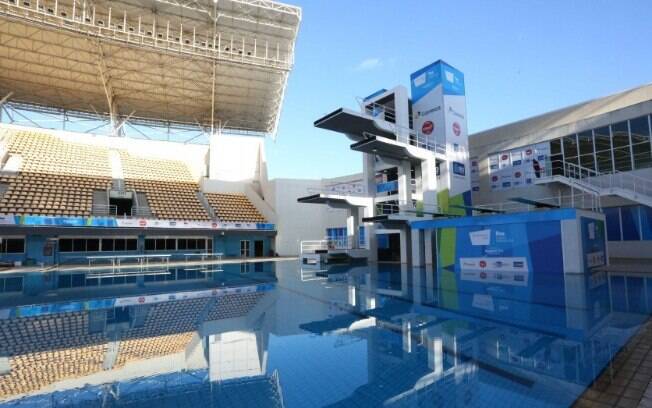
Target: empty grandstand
x,y
117,119
47,348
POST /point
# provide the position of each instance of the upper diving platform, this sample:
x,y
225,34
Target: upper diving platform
x,y
377,136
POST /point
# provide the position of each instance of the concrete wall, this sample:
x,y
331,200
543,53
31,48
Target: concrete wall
x,y
297,222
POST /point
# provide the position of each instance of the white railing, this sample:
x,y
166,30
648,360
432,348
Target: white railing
x,y
353,187
601,183
111,210
117,26
343,243
580,201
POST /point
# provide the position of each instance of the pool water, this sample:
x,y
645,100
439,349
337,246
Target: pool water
x,y
283,335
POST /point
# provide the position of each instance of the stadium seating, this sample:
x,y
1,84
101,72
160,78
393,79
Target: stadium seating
x,y
58,177
233,208
236,305
168,329
169,185
47,349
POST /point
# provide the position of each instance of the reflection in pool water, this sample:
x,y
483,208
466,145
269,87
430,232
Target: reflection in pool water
x,y
274,334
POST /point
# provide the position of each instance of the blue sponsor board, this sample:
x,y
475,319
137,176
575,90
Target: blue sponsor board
x,y
387,186
429,77
459,169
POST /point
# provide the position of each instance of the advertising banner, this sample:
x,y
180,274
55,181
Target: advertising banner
x,y
106,222
439,104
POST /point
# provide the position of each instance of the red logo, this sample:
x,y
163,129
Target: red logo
x,y
141,300
503,157
214,225
427,127
483,275
142,223
517,174
483,264
528,152
457,129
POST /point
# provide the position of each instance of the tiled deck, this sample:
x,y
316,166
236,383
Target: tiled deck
x,y
627,382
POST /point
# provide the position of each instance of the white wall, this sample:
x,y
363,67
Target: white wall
x,y
236,158
297,221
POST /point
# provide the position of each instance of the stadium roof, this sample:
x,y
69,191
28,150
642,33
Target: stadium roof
x,y
532,129
221,63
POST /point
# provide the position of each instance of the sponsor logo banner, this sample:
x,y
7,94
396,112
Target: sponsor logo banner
x,y
107,222
500,270
482,237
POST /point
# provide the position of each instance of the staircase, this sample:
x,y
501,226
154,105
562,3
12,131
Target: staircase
x,y
204,202
625,185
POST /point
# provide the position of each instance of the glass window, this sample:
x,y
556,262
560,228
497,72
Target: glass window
x,y
585,142
640,131
171,244
150,244
602,139
64,281
79,245
15,245
612,216
555,146
630,223
132,244
209,245
192,243
119,244
65,245
160,244
620,140
107,244
93,245
182,243
570,149
201,243
646,222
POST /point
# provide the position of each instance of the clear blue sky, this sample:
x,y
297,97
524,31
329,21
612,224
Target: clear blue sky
x,y
520,58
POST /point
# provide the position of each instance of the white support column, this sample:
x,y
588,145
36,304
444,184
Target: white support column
x,y
416,245
352,226
429,184
404,187
405,249
428,246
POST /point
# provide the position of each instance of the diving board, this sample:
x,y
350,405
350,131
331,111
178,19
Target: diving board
x,y
478,209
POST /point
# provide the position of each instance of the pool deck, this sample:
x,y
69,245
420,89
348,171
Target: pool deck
x,y
627,381
85,267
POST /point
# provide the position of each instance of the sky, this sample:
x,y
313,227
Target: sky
x,y
519,58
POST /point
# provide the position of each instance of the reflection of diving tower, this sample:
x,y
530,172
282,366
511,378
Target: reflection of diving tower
x,y
415,160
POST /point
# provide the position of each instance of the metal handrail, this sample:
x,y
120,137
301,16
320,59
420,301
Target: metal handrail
x,y
341,188
579,201
601,181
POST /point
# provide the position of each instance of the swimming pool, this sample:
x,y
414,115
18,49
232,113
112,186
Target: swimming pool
x,y
278,334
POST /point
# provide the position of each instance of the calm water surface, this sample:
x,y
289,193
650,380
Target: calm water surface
x,y
274,335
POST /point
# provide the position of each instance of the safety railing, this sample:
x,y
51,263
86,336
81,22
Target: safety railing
x,y
600,183
110,210
353,187
326,244
582,201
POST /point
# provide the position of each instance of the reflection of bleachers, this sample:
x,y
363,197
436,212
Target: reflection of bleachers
x,y
236,305
47,349
169,185
233,208
168,329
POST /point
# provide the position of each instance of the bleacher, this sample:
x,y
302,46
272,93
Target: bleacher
x,y
47,349
236,305
233,208
168,329
58,177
